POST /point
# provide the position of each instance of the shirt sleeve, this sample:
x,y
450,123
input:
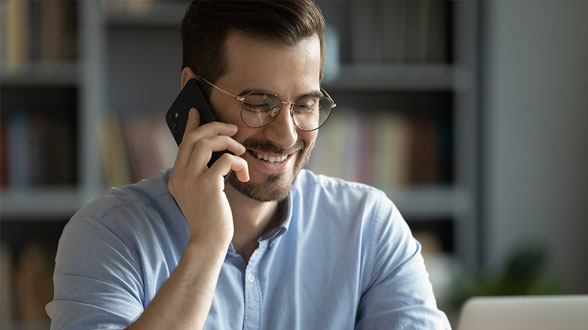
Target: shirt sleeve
x,y
398,293
97,280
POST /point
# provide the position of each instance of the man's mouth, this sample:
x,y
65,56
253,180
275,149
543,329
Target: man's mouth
x,y
273,159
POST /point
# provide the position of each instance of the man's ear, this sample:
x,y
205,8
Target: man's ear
x,y
187,74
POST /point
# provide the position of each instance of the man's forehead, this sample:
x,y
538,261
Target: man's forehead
x,y
253,61
242,46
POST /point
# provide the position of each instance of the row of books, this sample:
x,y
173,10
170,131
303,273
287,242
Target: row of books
x,y
134,148
399,31
26,282
34,31
382,148
386,149
38,149
132,6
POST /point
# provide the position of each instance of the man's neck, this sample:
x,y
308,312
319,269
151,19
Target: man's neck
x,y
252,219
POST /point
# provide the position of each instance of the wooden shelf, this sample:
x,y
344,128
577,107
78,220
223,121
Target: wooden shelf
x,y
37,325
63,73
392,76
40,203
428,203
149,15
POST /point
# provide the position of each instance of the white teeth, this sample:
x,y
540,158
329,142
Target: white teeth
x,y
271,158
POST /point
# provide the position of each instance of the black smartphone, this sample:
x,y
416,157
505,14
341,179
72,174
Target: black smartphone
x,y
177,116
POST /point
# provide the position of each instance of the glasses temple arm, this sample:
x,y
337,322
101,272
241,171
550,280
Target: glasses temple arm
x,y
198,77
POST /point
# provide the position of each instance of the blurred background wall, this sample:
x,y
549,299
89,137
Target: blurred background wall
x,y
470,115
536,96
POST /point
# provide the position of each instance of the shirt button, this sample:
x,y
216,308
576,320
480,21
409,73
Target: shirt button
x,y
251,278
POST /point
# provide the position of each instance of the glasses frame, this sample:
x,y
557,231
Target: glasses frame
x,y
241,99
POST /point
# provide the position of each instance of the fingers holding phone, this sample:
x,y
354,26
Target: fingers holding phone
x,y
200,143
204,157
199,190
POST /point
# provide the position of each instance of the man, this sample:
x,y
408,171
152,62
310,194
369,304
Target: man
x,y
276,247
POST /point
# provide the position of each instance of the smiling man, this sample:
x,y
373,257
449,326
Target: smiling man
x,y
276,246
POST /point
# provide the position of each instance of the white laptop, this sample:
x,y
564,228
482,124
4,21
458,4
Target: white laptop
x,y
525,312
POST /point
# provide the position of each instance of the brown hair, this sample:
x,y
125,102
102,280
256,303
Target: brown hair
x,y
206,24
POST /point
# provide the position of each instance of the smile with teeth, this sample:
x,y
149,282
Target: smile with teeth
x,y
270,158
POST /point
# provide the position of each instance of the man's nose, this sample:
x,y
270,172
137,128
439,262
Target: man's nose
x,y
282,131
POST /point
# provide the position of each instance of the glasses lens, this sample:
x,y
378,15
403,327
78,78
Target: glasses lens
x,y
258,109
311,112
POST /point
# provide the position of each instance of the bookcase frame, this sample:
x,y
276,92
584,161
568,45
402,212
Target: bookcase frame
x,y
461,202
89,73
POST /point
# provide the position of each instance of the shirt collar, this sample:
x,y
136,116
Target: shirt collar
x,y
285,216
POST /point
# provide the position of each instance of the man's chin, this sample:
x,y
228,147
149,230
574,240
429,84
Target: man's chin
x,y
272,187
275,187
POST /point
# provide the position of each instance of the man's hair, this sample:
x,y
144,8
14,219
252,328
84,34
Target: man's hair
x,y
207,23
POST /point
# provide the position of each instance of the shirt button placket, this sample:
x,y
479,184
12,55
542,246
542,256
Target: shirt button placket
x,y
253,303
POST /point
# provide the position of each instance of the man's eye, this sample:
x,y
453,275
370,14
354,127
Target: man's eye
x,y
256,107
306,105
259,103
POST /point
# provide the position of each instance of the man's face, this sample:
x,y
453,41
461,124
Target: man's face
x,y
289,71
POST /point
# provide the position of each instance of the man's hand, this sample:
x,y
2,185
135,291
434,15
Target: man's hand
x,y
199,190
184,300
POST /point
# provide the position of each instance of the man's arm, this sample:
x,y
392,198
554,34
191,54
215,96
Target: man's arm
x,y
100,279
184,300
397,293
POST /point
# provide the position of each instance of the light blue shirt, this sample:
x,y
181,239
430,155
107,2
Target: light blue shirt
x,y
343,258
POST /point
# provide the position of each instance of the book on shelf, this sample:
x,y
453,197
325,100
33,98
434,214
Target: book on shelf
x,y
393,34
18,151
114,152
33,283
149,153
423,151
437,32
26,270
399,32
6,283
417,22
133,7
38,150
135,148
57,26
365,34
15,27
3,153
386,149
392,146
37,31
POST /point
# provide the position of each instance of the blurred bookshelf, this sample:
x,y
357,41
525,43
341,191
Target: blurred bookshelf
x,y
403,74
393,77
43,179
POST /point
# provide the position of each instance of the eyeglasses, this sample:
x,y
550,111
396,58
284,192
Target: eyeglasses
x,y
258,109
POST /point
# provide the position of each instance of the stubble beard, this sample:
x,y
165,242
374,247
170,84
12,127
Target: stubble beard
x,y
276,187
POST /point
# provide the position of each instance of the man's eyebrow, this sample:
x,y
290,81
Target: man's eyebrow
x,y
316,93
255,90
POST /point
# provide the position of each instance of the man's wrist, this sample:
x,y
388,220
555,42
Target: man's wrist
x,y
198,248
